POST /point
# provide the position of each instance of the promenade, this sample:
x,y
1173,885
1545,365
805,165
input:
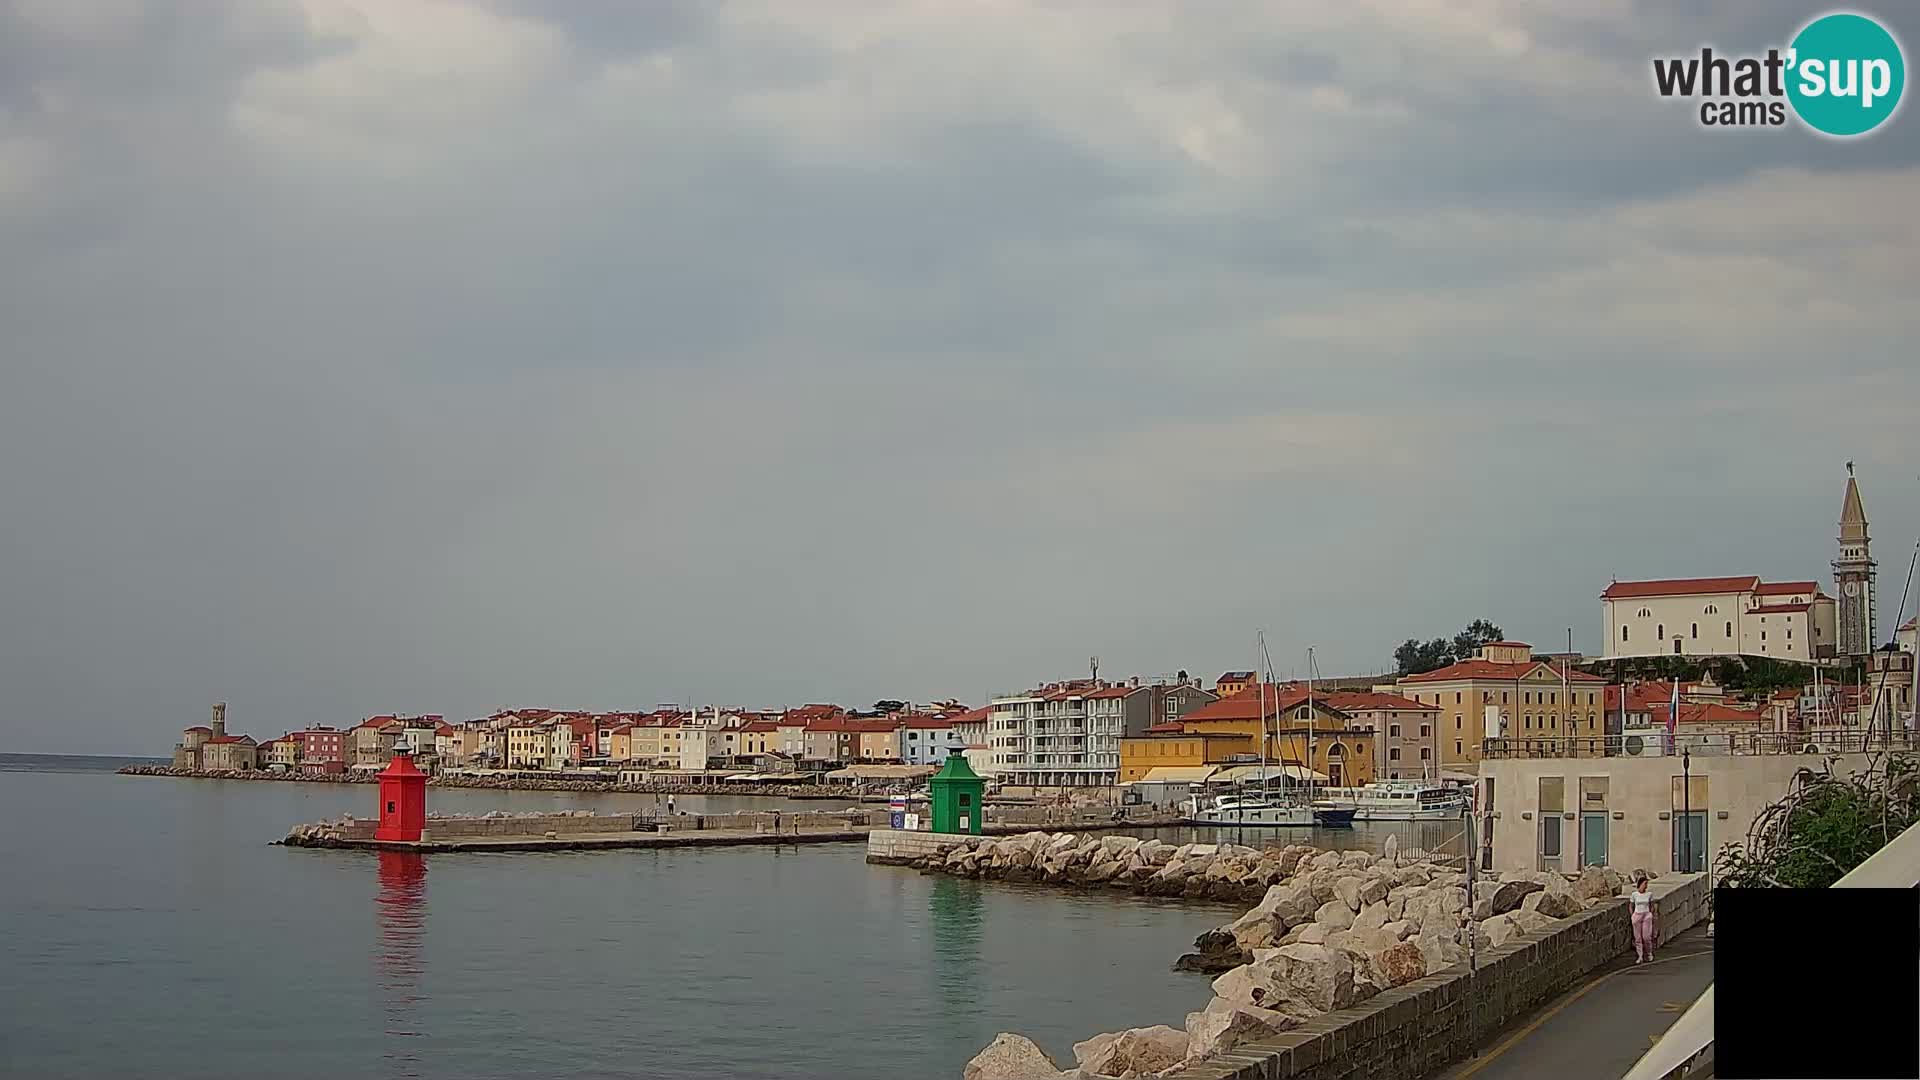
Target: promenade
x,y
1597,1030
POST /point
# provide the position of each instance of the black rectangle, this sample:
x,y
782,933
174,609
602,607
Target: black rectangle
x,y
1816,983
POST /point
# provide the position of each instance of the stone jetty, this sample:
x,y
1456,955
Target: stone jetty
x,y
1328,930
514,783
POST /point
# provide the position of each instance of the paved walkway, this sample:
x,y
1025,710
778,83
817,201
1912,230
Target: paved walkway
x,y
1597,1030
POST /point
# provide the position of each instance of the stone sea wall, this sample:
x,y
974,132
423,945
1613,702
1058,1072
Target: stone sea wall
x,y
1329,932
502,825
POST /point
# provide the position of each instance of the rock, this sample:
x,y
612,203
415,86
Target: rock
x,y
1255,930
1400,963
1011,1057
1357,860
1498,930
1399,928
1374,888
1257,984
1347,891
1508,895
1315,975
1312,933
1326,860
1290,902
1371,917
1223,1025
1134,1051
1334,915
1320,884
1593,884
1094,1047
1390,851
1553,903
1482,910
1528,922
1362,943
1417,874
1441,951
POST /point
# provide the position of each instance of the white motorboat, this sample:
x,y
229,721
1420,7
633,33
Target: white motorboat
x,y
1403,800
1250,809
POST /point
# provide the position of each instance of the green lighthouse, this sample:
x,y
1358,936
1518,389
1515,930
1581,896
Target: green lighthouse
x,y
958,794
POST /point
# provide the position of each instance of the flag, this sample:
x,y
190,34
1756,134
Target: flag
x,y
1673,715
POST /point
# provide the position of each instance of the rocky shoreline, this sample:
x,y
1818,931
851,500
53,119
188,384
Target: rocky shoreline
x,y
1329,930
507,783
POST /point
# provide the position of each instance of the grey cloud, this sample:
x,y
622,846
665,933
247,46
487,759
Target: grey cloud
x,y
687,354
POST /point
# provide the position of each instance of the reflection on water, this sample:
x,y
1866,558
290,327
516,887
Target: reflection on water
x,y
402,915
957,914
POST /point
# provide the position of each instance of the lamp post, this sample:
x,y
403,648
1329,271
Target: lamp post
x,y
1686,810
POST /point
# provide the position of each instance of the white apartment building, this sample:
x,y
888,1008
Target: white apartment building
x,y
1724,616
1068,734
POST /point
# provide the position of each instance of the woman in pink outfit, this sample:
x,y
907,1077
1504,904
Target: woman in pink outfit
x,y
1642,899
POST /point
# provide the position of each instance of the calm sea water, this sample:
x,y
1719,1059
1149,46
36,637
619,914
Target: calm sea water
x,y
148,929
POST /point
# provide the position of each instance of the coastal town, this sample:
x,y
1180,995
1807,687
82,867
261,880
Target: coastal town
x,y
1727,673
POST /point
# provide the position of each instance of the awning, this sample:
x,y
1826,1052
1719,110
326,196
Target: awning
x,y
885,772
1177,774
1250,774
762,778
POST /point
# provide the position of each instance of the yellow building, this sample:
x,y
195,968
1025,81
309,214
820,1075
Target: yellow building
x,y
1505,691
529,744
1178,749
760,737
1297,728
282,751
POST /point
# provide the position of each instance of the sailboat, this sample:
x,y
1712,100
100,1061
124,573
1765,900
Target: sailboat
x,y
1334,813
1259,807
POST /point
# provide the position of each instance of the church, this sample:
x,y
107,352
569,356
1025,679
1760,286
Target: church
x,y
1743,615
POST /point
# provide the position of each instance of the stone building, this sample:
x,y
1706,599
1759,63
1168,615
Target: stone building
x,y
1504,691
1406,738
1856,575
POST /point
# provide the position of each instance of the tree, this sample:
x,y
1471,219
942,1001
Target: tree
x,y
888,706
1415,656
1824,827
1467,643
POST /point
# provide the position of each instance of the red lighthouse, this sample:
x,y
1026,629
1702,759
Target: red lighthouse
x,y
403,801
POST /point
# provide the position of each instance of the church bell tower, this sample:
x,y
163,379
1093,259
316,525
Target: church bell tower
x,y
1854,576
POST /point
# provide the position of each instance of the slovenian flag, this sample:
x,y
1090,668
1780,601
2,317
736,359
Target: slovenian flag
x,y
1673,715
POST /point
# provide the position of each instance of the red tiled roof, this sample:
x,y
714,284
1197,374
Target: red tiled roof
x,y
1709,713
1115,691
1246,704
971,715
1494,670
446,729
1166,727
1787,588
379,721
1354,700
199,727
762,725
229,739
1234,676
1621,590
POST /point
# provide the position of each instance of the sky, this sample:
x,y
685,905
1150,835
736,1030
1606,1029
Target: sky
x,y
429,356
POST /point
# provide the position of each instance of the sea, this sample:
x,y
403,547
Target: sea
x,y
149,928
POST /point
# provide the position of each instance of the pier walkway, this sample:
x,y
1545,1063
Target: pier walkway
x,y
1597,1030
679,837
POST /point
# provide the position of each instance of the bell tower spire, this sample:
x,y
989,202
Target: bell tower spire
x,y
1854,576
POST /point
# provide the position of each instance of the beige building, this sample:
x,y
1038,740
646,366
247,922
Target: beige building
x,y
283,751
235,753
1504,691
373,741
529,744
1725,616
1406,735
1626,812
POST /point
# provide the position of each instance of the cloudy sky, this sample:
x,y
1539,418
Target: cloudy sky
x,y
442,356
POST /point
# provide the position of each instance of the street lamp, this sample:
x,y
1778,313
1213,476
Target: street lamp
x,y
1686,810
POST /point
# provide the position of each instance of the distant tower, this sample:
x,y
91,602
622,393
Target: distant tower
x,y
219,719
1854,575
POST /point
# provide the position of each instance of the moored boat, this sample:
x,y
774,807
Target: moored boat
x,y
1403,800
1251,808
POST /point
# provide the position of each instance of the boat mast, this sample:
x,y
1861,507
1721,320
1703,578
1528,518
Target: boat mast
x,y
1310,768
1266,676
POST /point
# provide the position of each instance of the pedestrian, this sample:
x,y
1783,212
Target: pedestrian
x,y
1642,899
669,805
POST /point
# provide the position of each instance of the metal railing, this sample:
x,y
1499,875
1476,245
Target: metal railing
x,y
1895,866
1701,745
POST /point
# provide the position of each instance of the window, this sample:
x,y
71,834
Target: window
x,y
1456,697
1503,697
1660,630
1789,633
1696,629
1763,635
1527,697
1456,747
1711,609
1623,633
1393,730
1393,754
1456,723
1426,753
1646,613
1729,629
1425,730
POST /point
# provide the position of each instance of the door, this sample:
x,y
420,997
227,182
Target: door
x,y
1593,839
1550,841
1690,841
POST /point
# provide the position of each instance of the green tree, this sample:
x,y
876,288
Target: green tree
x,y
1415,656
887,706
1823,827
1467,643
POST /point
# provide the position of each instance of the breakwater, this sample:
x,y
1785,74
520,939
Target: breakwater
x,y
1331,932
515,783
